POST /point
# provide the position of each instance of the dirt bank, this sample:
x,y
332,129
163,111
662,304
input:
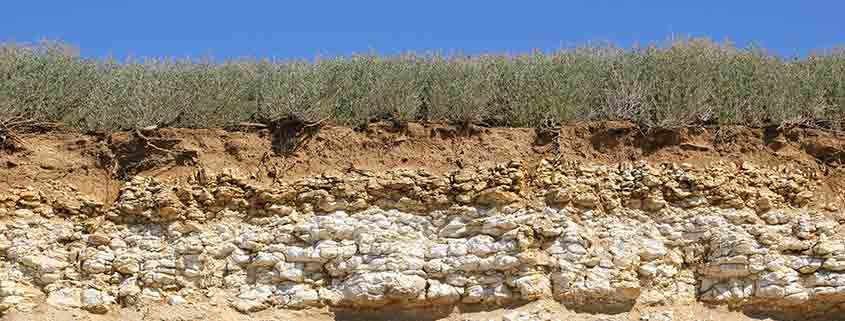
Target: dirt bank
x,y
97,164
598,221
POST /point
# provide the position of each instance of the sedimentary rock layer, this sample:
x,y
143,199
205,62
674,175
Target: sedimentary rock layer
x,y
582,234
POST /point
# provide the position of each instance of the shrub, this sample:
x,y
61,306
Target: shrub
x,y
687,82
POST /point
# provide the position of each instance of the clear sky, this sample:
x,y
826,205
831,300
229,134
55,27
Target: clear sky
x,y
304,29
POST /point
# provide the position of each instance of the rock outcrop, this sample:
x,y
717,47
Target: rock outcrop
x,y
582,234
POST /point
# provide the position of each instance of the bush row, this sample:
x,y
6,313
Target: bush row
x,y
688,82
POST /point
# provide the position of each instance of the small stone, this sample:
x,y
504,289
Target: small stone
x,y
824,247
29,195
13,301
586,200
66,297
803,198
9,288
764,204
117,243
44,264
96,301
98,239
653,203
496,196
176,300
513,316
474,294
24,213
280,210
534,286
265,260
169,213
129,288
634,204
652,249
290,271
648,270
251,300
151,294
658,316
558,196
440,293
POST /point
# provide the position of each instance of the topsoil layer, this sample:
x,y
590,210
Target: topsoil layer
x,y
97,164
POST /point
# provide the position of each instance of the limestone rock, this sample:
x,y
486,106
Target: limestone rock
x,y
176,300
580,233
66,297
254,299
96,301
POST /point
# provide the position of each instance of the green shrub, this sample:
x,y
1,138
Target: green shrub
x,y
686,82
45,82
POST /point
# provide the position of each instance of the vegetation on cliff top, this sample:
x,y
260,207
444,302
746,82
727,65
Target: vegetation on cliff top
x,y
689,82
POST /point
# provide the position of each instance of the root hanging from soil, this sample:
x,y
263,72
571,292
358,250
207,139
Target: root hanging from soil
x,y
9,142
396,125
10,127
548,135
289,133
456,130
144,151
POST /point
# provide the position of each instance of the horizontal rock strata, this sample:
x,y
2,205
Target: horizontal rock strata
x,y
582,234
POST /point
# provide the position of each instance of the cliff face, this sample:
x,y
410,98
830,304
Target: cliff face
x,y
590,236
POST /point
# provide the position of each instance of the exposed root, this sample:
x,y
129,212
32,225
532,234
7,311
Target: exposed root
x,y
396,125
147,143
9,142
548,134
459,130
9,127
289,133
143,152
265,168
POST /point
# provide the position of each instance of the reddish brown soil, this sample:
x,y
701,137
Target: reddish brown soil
x,y
96,164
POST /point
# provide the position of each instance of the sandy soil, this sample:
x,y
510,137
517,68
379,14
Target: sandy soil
x,y
95,164
217,312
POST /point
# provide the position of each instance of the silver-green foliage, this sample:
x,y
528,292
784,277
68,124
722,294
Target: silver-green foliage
x,y
681,83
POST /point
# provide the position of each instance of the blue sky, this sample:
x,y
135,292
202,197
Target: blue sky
x,y
304,29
